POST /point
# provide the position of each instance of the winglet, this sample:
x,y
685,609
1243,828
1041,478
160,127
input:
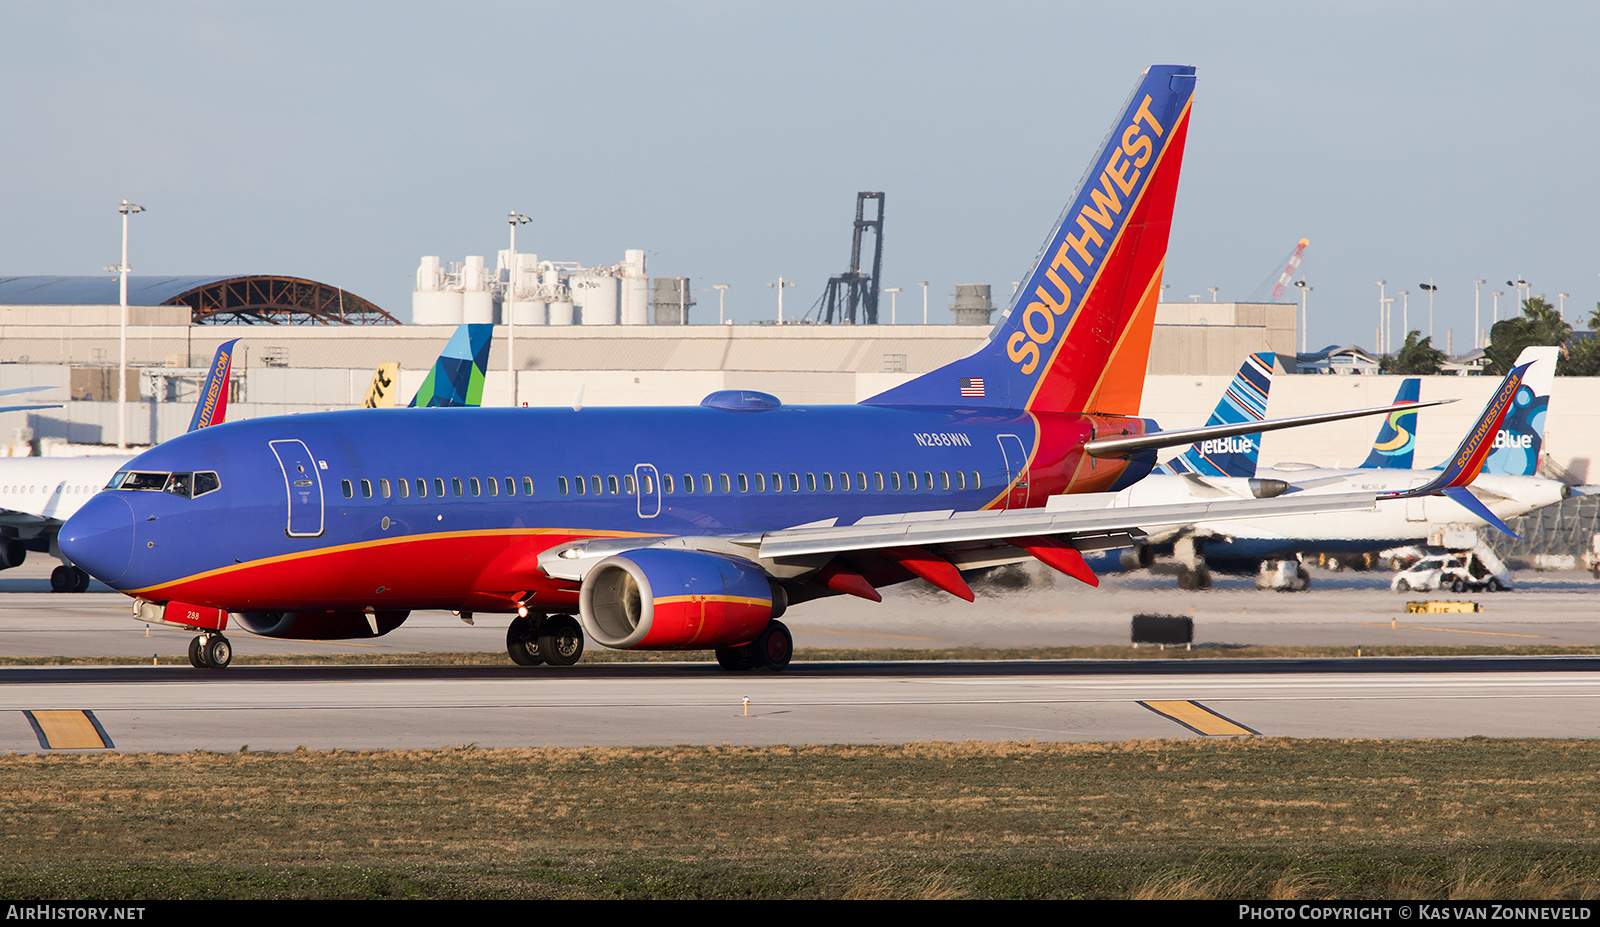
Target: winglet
x,y
212,409
1467,462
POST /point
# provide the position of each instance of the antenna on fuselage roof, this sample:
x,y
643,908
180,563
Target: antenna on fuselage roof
x,y
577,401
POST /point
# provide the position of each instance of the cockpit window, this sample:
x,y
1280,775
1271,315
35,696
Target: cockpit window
x,y
139,481
188,484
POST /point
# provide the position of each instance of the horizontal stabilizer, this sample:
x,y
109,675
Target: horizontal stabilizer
x,y
1122,446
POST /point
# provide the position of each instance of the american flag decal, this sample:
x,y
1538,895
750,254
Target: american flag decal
x,y
972,387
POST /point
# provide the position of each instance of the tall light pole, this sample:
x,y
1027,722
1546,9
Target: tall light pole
x,y
780,287
722,291
891,290
1497,295
1382,322
1431,289
1305,292
1519,284
1477,329
1405,316
1213,293
924,285
1561,305
127,209
1386,317
515,219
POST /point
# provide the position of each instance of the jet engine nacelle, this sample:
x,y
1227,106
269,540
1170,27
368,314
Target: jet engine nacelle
x,y
656,599
321,626
12,552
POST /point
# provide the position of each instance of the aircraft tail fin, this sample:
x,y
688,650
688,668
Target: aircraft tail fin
x,y
457,376
212,408
385,380
1244,401
1520,441
1397,437
1077,334
1467,462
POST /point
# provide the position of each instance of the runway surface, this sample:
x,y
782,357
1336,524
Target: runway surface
x,y
169,706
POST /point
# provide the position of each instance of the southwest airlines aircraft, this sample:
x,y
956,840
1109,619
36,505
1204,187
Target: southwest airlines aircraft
x,y
694,528
38,494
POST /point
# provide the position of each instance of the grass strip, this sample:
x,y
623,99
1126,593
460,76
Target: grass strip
x,y
1249,818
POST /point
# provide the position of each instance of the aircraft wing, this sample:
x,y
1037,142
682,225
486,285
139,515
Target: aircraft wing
x,y
966,540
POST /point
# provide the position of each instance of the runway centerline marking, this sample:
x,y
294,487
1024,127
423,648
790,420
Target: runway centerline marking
x,y
1198,718
60,729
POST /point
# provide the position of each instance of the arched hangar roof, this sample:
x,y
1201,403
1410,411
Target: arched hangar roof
x,y
250,298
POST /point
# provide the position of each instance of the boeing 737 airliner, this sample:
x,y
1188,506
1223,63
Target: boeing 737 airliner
x,y
694,528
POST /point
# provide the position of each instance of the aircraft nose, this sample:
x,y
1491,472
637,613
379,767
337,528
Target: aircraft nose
x,y
99,537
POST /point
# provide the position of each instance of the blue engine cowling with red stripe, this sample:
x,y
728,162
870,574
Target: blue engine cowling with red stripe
x,y
656,599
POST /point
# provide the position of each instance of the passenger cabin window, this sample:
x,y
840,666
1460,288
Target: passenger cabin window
x,y
455,484
348,489
594,484
527,486
744,483
666,482
827,482
726,485
422,488
811,482
405,488
383,488
477,487
561,485
611,485
366,489
494,486
438,486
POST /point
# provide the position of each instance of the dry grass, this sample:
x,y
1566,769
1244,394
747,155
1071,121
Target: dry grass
x,y
1265,818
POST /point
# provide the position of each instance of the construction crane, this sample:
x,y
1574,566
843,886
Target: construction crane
x,y
1290,267
853,288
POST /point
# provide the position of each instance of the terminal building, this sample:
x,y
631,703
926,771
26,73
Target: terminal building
x,y
308,346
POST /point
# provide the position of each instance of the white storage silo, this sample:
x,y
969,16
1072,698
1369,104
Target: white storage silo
x,y
597,294
561,311
635,289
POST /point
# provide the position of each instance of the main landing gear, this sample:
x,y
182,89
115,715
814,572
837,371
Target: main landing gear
x,y
772,649
210,651
553,639
67,578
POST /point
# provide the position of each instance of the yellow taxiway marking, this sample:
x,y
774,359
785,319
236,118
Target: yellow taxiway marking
x,y
67,730
1418,627
1198,718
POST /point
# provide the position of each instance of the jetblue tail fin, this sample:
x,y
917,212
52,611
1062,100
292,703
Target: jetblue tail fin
x,y
1244,401
1077,335
1397,438
212,409
1520,441
457,376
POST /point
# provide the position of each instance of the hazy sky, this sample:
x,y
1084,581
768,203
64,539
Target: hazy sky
x,y
343,141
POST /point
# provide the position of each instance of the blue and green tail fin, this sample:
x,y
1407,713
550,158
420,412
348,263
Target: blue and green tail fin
x,y
456,379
